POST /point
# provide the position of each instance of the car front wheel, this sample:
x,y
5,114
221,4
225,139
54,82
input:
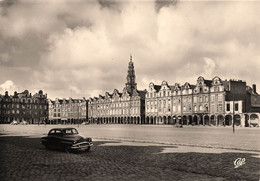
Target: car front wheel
x,y
88,149
67,149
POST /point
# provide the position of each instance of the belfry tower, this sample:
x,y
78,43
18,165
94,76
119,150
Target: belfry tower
x,y
130,84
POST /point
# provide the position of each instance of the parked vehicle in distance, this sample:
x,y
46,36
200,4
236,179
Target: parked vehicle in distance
x,y
14,123
23,123
84,123
67,139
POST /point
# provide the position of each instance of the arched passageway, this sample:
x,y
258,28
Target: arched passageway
x,y
206,120
184,120
212,120
228,120
221,120
237,119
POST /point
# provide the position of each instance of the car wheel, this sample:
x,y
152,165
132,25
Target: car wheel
x,y
88,149
67,149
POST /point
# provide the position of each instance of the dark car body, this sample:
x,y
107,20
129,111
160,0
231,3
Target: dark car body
x,y
67,139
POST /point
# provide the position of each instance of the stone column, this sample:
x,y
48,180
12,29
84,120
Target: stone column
x,y
242,121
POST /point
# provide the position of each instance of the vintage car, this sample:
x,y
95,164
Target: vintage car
x,y
67,139
14,123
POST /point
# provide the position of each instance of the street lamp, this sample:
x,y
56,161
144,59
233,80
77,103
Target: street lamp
x,y
233,115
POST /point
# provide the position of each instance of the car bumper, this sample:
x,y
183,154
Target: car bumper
x,y
81,146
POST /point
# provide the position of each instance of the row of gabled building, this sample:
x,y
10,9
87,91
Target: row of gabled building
x,y
208,102
38,109
67,111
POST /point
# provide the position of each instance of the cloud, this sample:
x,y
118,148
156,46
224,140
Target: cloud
x,y
84,46
209,66
8,86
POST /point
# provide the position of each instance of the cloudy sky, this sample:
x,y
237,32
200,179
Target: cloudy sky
x,y
81,47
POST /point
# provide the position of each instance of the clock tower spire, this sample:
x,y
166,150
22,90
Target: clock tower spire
x,y
130,84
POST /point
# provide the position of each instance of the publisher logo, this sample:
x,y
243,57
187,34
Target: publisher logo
x,y
239,162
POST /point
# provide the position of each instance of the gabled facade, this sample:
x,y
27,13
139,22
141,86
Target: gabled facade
x,y
67,111
209,102
24,107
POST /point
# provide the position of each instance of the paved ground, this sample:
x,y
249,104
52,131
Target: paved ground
x,y
24,158
217,137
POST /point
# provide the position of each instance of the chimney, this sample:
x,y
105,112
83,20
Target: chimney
x,y
254,88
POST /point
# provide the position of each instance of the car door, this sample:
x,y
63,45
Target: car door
x,y
51,138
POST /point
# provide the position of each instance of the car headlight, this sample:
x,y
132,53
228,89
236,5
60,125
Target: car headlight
x,y
89,139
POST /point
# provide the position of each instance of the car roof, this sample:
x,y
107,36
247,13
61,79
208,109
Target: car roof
x,y
63,128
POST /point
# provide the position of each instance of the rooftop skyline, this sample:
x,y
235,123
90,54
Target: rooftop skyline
x,y
82,48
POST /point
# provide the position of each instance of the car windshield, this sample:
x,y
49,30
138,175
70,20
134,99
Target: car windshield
x,y
70,131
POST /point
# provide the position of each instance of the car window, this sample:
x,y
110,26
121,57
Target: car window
x,y
55,132
68,131
52,132
74,131
58,132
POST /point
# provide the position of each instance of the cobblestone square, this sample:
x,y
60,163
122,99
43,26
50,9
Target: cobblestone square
x,y
24,158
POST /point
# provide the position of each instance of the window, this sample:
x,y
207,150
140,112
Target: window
x,y
206,98
236,106
212,97
201,108
220,107
184,108
220,97
206,107
212,108
195,99
163,93
228,107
